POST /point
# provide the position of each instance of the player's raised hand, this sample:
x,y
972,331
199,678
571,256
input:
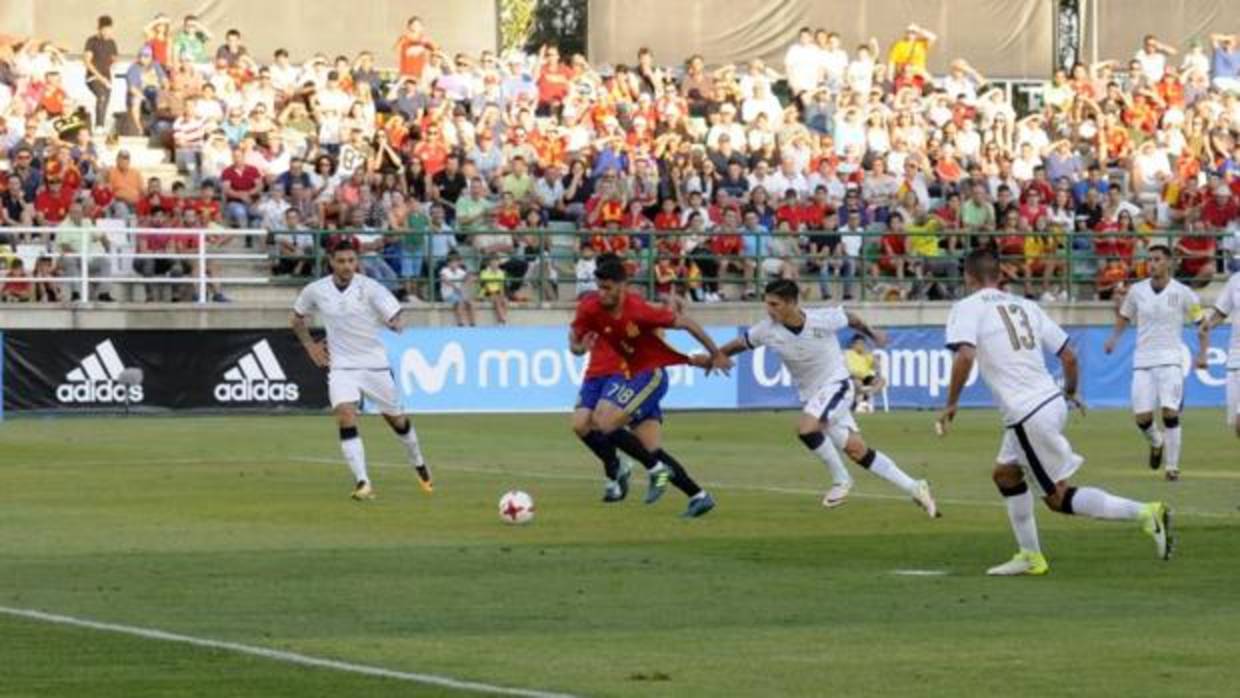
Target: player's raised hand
x,y
319,354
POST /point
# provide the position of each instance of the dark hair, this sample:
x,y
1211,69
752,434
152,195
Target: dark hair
x,y
345,245
1160,247
611,268
104,21
856,338
785,289
983,264
232,32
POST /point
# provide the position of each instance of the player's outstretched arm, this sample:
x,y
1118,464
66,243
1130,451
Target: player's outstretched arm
x,y
719,360
316,350
735,346
857,323
962,366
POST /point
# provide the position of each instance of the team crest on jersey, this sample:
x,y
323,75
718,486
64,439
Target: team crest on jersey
x,y
632,329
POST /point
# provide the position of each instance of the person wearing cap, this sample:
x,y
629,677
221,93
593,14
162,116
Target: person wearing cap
x,y
145,80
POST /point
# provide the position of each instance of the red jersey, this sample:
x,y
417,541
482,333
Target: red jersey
x,y
633,334
604,361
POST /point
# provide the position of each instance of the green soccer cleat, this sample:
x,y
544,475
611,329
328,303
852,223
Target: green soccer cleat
x,y
1026,562
659,478
1156,522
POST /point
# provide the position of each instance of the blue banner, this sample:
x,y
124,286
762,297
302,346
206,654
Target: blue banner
x,y
530,369
524,369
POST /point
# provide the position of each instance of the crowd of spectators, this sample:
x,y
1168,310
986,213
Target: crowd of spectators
x,y
844,165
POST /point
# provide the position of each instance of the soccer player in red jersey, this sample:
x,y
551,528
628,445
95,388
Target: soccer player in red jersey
x,y
630,327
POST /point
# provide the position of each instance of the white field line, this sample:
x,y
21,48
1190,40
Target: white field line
x,y
795,491
277,655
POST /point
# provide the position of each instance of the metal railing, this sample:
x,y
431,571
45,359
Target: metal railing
x,y
553,254
121,253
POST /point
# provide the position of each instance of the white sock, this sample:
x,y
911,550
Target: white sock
x,y
887,469
835,466
1153,435
355,456
1020,515
412,448
1095,503
1171,457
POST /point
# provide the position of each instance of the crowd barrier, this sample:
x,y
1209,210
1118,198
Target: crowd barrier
x,y
516,369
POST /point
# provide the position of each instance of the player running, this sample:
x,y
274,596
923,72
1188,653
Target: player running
x,y
603,366
1158,306
354,310
1007,336
1226,306
631,328
806,341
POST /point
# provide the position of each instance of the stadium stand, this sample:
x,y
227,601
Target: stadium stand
x,y
851,167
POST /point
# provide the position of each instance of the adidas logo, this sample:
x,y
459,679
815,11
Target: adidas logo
x,y
257,377
95,379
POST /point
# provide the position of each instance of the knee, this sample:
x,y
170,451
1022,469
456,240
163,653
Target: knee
x,y
581,425
346,416
1171,419
1144,421
1008,477
812,439
860,454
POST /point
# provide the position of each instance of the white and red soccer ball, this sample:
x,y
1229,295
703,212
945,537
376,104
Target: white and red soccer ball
x,y
516,507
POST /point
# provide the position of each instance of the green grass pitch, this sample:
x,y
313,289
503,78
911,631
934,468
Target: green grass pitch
x,y
240,529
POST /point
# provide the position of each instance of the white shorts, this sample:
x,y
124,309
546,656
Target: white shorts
x,y
1038,445
350,385
1160,387
833,404
1233,395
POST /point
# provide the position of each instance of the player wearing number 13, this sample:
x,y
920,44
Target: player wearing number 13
x,y
1007,335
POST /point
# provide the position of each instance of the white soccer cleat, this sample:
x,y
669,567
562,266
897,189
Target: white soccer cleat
x,y
925,500
837,495
1025,562
363,492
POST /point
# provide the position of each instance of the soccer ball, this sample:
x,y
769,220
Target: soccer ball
x,y
516,507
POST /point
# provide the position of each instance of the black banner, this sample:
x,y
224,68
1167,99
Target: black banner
x,y
71,370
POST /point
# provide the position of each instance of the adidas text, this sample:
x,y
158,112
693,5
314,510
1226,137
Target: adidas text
x,y
262,391
104,392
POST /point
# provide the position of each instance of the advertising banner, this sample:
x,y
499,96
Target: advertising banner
x,y
88,371
524,369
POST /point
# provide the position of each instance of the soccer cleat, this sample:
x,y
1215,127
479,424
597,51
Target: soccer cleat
x,y
699,506
925,500
1156,522
658,483
1026,562
424,478
1156,455
622,478
837,495
363,492
1172,475
612,492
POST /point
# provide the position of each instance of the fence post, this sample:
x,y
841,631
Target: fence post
x,y
84,263
1071,277
202,266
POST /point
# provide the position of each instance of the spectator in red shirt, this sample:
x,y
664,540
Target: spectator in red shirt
x,y
242,186
51,204
413,49
1033,208
1219,210
553,81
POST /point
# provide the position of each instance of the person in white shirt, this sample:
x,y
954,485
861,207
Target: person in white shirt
x,y
1159,307
1153,58
832,59
801,63
1006,336
1227,305
807,344
354,309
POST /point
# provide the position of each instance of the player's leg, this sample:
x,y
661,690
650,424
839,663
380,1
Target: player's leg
x,y
1144,397
345,394
650,432
1170,382
811,433
600,444
380,388
1018,501
1233,400
842,429
1049,457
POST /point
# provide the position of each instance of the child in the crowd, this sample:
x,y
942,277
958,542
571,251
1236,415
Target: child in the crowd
x,y
586,263
454,288
491,279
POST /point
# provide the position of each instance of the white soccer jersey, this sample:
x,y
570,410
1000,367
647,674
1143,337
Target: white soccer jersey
x,y
813,355
1228,303
1010,334
1159,317
353,319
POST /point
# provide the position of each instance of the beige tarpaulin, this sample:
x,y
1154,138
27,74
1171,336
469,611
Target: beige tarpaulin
x,y
1003,38
1122,24
304,27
